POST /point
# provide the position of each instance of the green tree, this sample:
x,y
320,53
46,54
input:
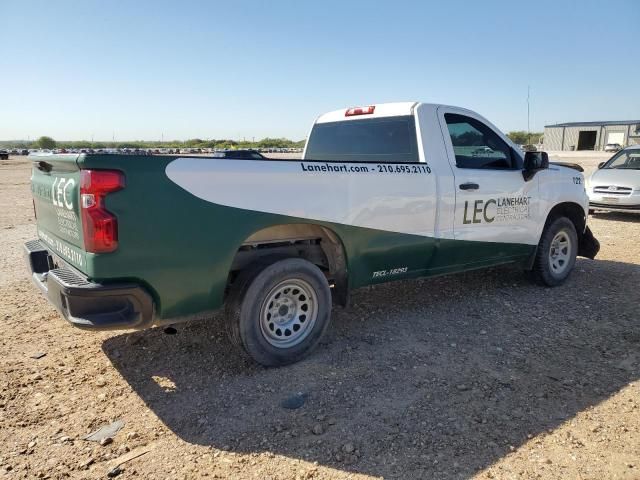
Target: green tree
x,y
523,138
46,142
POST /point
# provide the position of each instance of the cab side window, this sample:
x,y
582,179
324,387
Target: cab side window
x,y
477,146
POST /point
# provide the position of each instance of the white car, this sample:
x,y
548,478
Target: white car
x,y
612,147
615,186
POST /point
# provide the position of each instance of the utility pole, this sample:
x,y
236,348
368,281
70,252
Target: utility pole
x,y
528,117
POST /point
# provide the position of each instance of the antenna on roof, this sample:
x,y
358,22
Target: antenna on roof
x,y
528,116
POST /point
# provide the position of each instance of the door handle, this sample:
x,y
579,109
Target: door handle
x,y
469,186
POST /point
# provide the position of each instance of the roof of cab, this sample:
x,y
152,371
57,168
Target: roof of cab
x,y
394,109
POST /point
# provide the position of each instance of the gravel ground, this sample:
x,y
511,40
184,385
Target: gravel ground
x,y
476,375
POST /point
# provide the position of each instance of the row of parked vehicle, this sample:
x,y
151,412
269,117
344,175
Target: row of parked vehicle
x,y
15,151
144,151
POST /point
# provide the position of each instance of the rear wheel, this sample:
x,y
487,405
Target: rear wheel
x,y
556,254
278,312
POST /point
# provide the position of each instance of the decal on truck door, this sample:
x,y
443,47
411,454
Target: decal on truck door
x,y
501,209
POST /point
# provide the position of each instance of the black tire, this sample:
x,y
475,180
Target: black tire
x,y
543,271
247,303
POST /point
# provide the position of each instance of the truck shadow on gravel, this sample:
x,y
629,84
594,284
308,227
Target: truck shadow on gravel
x,y
435,378
627,217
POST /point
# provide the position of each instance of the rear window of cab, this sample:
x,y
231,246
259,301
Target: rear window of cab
x,y
387,139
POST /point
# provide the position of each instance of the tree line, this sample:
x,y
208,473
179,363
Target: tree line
x,y
521,137
49,143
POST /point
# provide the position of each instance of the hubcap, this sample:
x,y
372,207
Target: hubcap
x,y
288,313
560,252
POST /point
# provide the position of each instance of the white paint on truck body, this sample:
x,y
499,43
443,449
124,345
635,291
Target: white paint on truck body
x,y
361,196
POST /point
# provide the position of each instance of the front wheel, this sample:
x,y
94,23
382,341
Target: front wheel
x,y
556,254
278,312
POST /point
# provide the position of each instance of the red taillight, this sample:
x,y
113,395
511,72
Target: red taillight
x,y
360,111
100,227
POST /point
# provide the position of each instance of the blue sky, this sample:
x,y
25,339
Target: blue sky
x,y
184,69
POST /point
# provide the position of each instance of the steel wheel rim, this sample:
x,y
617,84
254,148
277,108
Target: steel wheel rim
x,y
560,252
288,313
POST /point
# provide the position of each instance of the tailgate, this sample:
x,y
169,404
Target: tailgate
x,y
55,185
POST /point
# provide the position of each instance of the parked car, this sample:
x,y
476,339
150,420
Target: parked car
x,y
529,148
612,147
615,186
4,155
482,151
379,195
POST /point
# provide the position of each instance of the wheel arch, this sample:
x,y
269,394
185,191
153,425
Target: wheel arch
x,y
571,210
316,243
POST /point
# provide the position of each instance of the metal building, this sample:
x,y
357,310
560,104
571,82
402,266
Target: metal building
x,y
590,135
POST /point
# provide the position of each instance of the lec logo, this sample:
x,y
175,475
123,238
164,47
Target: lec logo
x,y
479,212
59,193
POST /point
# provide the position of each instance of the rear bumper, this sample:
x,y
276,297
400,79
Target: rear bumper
x,y
85,304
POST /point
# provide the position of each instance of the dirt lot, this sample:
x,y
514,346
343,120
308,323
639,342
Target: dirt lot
x,y
477,375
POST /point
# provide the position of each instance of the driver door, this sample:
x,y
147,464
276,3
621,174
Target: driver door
x,y
495,208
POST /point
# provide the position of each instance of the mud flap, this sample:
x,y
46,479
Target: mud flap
x,y
589,245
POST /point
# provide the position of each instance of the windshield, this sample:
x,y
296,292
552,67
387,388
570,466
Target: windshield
x,y
629,159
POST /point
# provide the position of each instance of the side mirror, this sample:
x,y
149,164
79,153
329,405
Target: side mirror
x,y
600,165
534,162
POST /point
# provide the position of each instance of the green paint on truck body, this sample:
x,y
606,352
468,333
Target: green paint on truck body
x,y
181,247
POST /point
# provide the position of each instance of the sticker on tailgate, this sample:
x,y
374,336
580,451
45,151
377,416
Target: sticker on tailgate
x,y
67,252
60,192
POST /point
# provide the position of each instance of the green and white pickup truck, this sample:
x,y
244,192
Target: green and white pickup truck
x,y
383,192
